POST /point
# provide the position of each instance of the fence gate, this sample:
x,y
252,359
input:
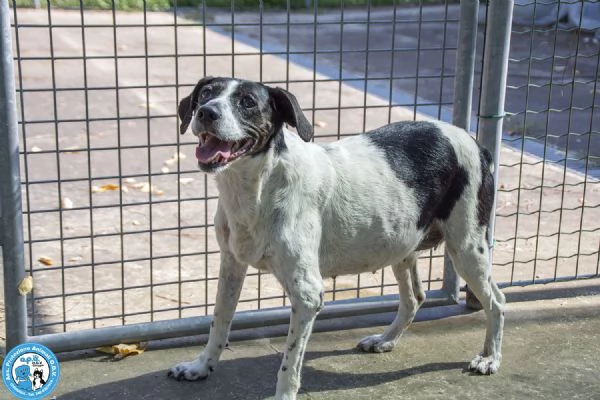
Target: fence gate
x,y
103,205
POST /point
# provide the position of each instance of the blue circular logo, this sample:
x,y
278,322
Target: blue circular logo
x,y
30,371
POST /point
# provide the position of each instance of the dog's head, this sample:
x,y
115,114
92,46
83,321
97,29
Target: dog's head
x,y
234,119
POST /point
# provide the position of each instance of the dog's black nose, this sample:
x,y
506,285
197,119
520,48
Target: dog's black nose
x,y
208,113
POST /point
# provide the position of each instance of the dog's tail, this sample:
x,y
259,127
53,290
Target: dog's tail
x,y
485,195
487,159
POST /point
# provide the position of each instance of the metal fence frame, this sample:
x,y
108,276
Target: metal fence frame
x,y
493,85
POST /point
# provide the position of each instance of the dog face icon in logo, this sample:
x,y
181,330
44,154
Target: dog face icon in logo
x,y
30,371
22,374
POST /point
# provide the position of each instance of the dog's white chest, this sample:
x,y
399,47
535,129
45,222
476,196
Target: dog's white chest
x,y
247,246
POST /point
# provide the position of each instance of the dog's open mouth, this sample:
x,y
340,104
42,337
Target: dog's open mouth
x,y
212,150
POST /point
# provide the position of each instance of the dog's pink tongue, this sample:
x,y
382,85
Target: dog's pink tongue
x,y
212,148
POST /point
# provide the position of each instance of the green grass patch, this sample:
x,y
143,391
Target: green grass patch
x,y
155,5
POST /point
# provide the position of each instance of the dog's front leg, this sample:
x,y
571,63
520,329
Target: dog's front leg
x,y
231,279
305,289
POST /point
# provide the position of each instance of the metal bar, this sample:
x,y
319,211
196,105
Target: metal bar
x,y
365,92
176,130
89,159
587,163
465,63
463,99
11,218
201,325
206,223
149,161
260,76
567,144
544,156
493,90
519,184
58,173
546,281
255,53
119,154
24,135
243,24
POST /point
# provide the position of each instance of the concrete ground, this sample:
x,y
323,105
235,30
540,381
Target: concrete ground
x,y
550,352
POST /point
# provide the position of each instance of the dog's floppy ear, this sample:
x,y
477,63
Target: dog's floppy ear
x,y
290,112
186,105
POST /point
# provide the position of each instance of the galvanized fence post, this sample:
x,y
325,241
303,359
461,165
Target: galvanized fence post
x,y
493,86
11,219
463,98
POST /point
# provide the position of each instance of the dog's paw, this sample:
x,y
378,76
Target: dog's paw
x,y
375,344
485,365
190,370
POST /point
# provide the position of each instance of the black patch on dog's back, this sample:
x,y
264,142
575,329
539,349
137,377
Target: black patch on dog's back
x,y
424,159
485,194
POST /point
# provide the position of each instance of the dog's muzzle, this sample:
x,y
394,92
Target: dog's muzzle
x,y
212,150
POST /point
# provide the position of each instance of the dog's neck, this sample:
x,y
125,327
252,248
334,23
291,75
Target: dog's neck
x,y
241,184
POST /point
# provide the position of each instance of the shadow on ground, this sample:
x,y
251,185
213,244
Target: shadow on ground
x,y
245,378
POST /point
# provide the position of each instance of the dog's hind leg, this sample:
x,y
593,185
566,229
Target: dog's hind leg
x,y
411,298
471,261
231,279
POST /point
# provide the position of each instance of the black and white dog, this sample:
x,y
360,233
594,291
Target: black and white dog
x,y
305,211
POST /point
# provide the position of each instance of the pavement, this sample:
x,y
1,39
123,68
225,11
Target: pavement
x,y
551,85
550,352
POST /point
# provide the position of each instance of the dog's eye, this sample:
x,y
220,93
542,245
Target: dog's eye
x,y
205,93
248,102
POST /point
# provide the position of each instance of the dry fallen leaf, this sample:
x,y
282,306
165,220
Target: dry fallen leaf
x,y
26,285
46,260
159,192
320,124
147,105
146,188
66,203
124,189
174,158
129,181
75,259
185,181
35,149
104,188
73,150
121,351
110,186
